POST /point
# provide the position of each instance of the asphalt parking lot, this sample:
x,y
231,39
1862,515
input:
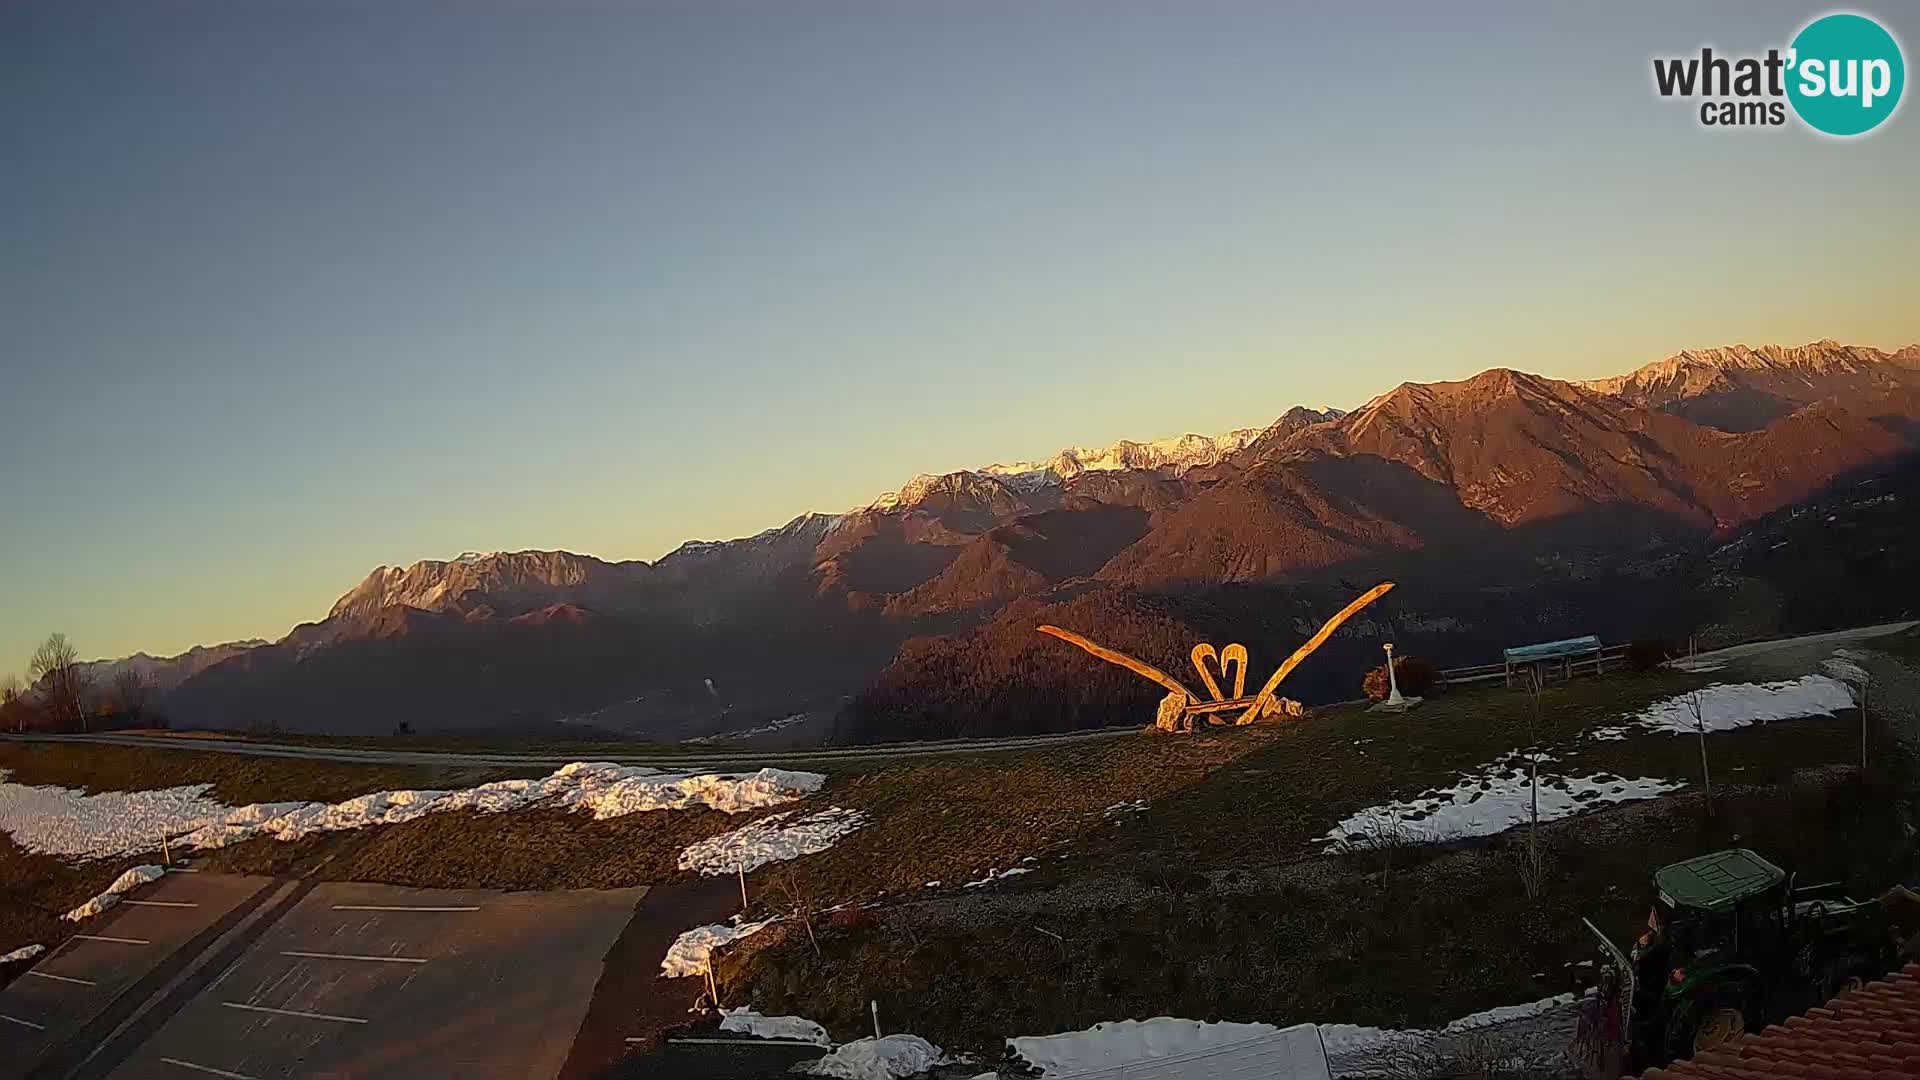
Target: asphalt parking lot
x,y
378,981
70,994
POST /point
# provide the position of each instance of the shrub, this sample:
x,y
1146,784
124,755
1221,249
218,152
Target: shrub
x,y
1416,675
1647,655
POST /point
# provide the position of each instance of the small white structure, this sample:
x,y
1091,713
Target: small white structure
x,y
1395,702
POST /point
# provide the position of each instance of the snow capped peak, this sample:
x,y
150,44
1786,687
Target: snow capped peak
x,y
1825,356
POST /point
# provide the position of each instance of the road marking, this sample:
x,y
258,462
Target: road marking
x,y
396,907
61,978
294,1012
352,956
158,903
208,1069
23,1023
115,940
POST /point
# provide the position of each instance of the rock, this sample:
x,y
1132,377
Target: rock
x,y
1172,712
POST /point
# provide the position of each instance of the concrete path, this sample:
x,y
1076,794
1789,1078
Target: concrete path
x,y
57,1011
366,981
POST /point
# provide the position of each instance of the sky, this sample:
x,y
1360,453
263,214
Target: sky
x,y
289,290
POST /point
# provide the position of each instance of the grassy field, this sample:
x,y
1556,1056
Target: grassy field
x,y
1214,901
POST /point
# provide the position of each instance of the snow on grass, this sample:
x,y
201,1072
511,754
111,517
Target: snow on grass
x,y
1726,706
692,952
125,883
998,875
1491,799
796,1028
61,821
1531,1040
24,952
1120,1043
880,1059
771,839
112,824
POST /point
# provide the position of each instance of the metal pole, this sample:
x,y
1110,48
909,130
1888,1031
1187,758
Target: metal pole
x,y
741,869
875,1006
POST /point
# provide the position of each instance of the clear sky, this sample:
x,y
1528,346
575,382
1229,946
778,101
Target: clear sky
x,y
289,290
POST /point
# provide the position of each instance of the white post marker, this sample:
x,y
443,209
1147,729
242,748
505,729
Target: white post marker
x,y
1393,698
875,1006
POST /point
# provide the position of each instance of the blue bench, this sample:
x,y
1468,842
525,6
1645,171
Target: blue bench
x,y
1548,655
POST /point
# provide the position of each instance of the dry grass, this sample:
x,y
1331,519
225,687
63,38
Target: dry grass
x,y
1317,941
236,780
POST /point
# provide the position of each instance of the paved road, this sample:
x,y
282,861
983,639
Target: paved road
x,y
668,759
1833,637
264,979
57,1011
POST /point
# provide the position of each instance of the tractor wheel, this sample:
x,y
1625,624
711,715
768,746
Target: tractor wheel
x,y
1719,1026
1709,1022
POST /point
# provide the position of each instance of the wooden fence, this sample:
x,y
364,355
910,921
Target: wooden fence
x,y
1607,659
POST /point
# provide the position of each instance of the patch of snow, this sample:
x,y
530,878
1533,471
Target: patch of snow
x,y
1486,801
998,875
1119,1043
1726,706
769,840
115,824
886,1058
125,883
692,952
1137,806
24,952
797,1028
748,733
1534,1037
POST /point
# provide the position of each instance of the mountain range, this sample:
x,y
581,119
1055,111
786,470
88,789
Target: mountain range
x,y
1510,506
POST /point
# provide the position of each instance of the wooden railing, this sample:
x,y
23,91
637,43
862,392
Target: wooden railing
x,y
1608,658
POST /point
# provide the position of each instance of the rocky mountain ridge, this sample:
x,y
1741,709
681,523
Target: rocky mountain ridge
x,y
1505,465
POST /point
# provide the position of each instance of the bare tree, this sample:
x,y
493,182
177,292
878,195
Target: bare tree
x,y
792,888
10,703
55,669
1533,861
127,695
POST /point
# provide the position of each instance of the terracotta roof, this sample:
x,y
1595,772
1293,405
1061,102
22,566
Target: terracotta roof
x,y
1863,1034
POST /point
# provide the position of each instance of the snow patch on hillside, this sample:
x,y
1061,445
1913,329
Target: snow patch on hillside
x,y
771,839
24,952
1119,1043
692,952
116,824
125,883
887,1058
1489,800
796,1028
1727,706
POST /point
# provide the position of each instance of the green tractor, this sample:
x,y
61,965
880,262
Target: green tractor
x,y
1731,945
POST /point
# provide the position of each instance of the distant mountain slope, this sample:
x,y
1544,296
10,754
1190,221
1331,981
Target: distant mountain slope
x,y
158,674
1741,389
1494,480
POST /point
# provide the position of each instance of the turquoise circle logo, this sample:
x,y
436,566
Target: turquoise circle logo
x,y
1845,74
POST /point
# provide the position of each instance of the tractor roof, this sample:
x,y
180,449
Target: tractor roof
x,y
1718,881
